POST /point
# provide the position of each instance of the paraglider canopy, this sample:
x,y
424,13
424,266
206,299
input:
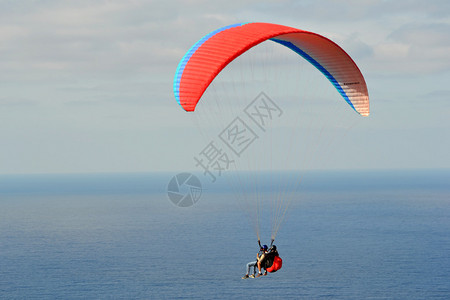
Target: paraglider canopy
x,y
205,60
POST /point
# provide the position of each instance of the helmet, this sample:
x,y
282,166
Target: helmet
x,y
265,247
274,248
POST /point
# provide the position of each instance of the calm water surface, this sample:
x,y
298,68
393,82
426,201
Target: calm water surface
x,y
118,236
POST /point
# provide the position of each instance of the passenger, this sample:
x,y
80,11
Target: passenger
x,y
260,255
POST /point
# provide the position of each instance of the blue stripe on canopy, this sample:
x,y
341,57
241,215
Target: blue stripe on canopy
x,y
187,56
316,64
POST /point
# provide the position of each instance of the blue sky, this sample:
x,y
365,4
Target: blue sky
x,y
86,86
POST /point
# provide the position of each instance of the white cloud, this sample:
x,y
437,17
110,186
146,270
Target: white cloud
x,y
391,51
420,48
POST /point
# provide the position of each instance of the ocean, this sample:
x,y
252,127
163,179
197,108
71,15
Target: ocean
x,y
348,235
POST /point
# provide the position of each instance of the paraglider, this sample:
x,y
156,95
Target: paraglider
x,y
215,51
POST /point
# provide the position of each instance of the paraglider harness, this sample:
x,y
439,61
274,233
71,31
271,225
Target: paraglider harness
x,y
271,262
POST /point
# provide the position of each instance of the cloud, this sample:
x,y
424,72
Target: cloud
x,y
95,66
415,47
80,37
358,48
17,102
443,96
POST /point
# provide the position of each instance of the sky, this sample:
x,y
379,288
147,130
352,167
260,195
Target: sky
x,y
86,86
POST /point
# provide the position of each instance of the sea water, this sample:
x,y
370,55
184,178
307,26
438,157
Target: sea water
x,y
350,235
